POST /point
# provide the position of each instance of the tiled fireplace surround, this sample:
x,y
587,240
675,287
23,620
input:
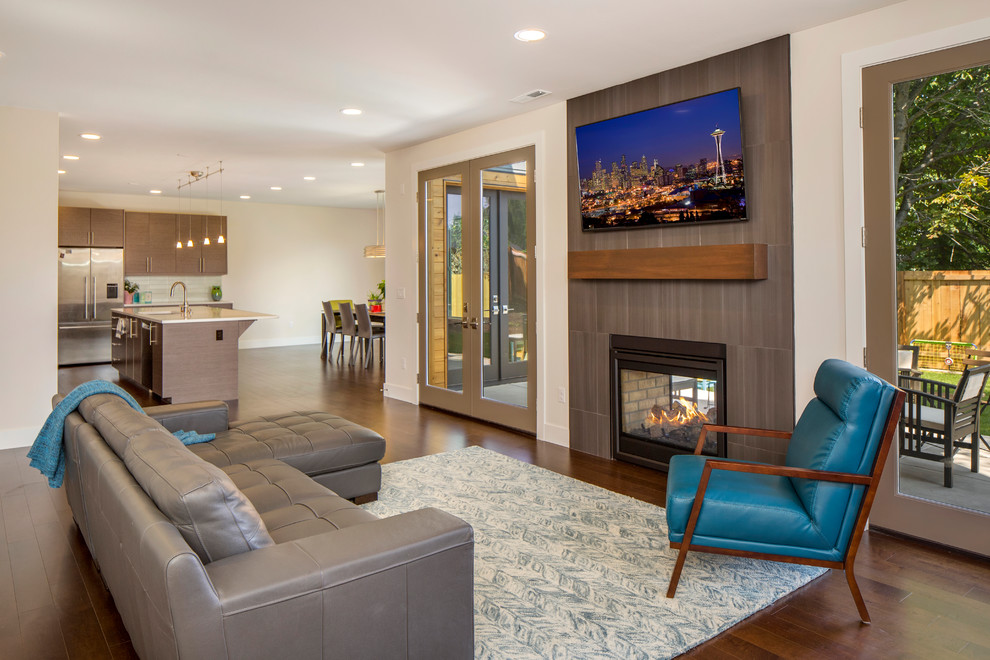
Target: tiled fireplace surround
x,y
753,318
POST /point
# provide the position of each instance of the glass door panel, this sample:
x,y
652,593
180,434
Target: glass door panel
x,y
505,243
477,227
927,259
445,283
942,243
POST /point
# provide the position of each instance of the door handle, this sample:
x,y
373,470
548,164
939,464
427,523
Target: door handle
x,y
474,323
86,299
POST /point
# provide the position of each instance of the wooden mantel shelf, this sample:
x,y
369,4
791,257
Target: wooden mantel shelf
x,y
747,261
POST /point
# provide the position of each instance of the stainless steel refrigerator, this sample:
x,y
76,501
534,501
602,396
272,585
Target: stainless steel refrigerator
x,y
90,283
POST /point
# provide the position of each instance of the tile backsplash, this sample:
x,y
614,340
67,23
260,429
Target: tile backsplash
x,y
198,287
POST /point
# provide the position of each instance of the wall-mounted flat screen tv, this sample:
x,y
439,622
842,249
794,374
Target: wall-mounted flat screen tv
x,y
674,165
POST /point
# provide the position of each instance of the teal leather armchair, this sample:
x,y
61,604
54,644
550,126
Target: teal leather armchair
x,y
813,509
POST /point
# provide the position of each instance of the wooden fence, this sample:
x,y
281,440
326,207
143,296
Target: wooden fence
x,y
943,306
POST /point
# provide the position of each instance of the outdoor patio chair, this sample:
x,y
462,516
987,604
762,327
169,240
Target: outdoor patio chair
x,y
813,510
974,358
907,360
944,416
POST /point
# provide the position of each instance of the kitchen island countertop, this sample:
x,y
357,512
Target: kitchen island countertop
x,y
197,314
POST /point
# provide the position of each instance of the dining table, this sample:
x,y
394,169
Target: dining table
x,y
376,317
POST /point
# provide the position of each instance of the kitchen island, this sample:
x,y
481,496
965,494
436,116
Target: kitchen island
x,y
180,357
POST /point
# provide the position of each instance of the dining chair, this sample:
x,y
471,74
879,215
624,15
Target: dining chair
x,y
332,324
367,333
347,328
813,509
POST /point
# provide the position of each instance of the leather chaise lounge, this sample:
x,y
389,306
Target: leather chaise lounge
x,y
247,546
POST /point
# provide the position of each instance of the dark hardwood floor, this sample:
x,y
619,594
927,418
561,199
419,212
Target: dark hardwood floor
x,y
926,602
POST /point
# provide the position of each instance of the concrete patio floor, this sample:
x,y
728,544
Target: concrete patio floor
x,y
970,490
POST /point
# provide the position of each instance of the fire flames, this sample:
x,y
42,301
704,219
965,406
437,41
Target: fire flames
x,y
682,413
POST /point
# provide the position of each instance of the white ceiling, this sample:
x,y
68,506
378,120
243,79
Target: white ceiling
x,y
179,85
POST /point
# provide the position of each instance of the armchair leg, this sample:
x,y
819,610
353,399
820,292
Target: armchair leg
x,y
675,577
864,615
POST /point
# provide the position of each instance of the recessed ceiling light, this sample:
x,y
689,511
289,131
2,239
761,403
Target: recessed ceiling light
x,y
61,171
70,157
245,196
350,111
309,178
530,34
276,187
90,136
155,192
357,164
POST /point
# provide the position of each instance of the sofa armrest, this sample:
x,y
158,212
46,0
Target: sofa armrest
x,y
200,416
396,587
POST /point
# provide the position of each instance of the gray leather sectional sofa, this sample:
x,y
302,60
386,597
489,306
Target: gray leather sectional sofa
x,y
237,548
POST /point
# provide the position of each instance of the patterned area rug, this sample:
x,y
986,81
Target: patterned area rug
x,y
564,569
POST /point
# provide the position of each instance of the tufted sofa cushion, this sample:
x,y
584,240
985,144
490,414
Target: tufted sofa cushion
x,y
116,421
292,505
313,442
214,518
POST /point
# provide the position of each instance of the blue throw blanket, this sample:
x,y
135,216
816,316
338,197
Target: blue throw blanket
x,y
47,453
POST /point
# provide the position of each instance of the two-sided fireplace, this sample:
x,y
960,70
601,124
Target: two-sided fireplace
x,y
662,392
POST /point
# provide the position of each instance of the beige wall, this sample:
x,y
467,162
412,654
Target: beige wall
x,y
281,260
826,63
29,234
546,128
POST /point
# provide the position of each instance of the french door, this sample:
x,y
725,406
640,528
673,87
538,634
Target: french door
x,y
477,289
918,146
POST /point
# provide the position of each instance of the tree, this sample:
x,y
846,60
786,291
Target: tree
x,y
941,155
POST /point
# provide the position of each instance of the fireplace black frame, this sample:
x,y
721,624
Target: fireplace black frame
x,y
675,356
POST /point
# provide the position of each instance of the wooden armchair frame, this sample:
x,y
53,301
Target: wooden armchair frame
x,y
870,480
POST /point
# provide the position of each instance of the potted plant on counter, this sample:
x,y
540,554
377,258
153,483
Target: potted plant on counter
x,y
130,288
375,297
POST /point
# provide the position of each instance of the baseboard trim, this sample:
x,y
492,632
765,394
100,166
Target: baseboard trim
x,y
557,435
277,342
18,438
402,393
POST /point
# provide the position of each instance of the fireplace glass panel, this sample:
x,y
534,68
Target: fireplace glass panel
x,y
666,408
662,392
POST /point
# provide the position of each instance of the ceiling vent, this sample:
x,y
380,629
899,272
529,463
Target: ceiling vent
x,y
530,96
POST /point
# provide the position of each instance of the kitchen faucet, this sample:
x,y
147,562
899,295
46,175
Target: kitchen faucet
x,y
184,310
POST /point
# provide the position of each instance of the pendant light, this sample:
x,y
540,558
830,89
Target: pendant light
x,y
206,217
220,235
178,230
377,251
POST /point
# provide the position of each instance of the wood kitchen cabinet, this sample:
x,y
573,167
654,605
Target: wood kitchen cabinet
x,y
127,350
149,243
200,258
215,254
137,354
188,258
83,227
